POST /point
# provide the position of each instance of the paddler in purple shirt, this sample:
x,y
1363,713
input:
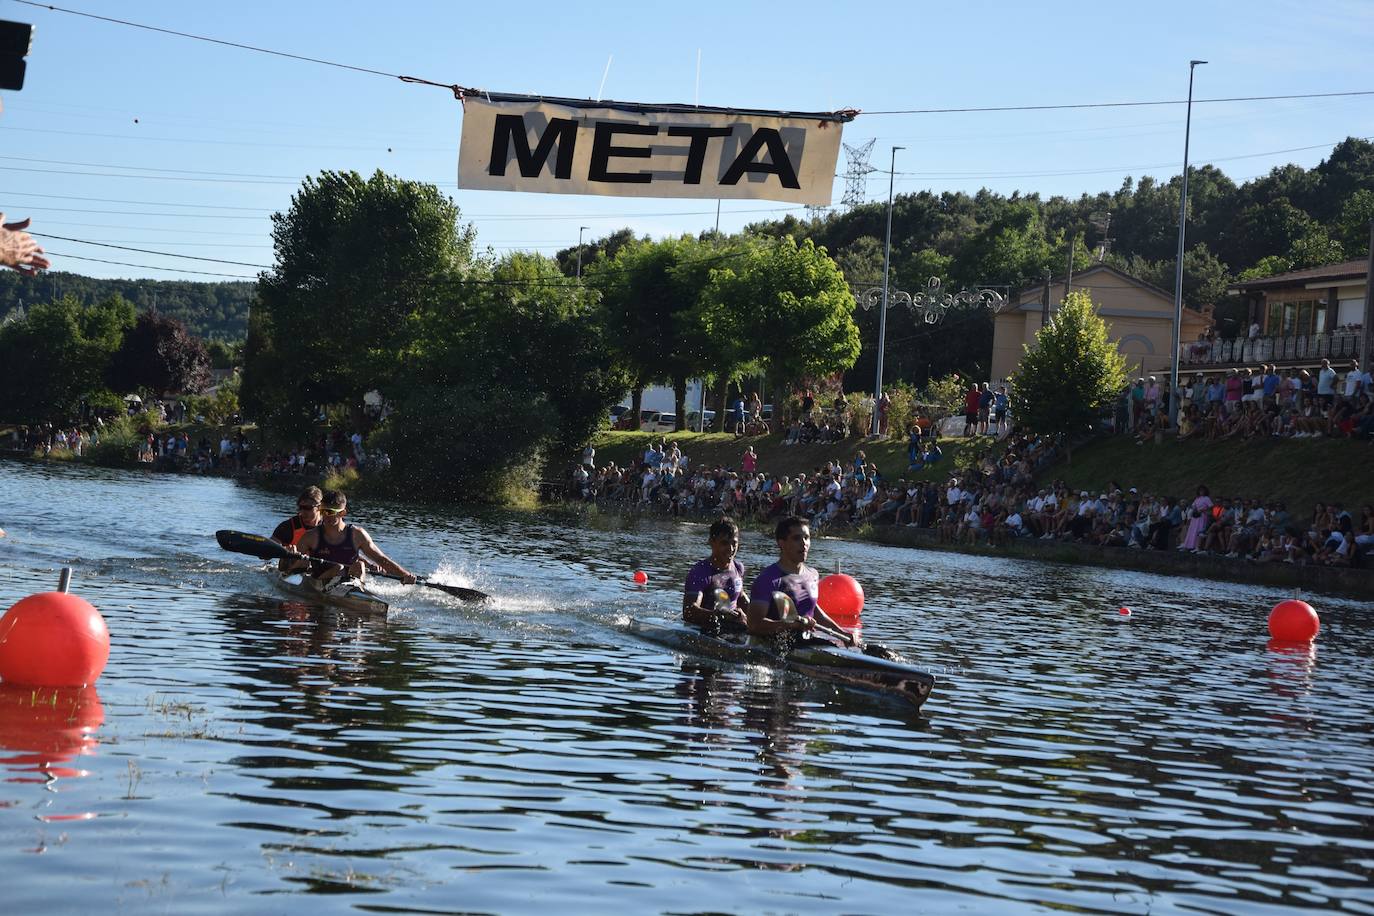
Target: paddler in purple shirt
x,y
799,582
714,592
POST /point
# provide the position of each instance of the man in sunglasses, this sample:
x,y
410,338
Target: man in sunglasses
x,y
289,533
345,546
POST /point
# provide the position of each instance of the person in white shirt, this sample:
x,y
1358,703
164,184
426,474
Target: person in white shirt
x,y
1355,380
1326,381
953,494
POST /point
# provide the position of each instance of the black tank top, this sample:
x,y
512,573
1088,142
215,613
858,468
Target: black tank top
x,y
344,553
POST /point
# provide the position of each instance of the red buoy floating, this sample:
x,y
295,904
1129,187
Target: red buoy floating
x,y
53,639
1124,612
1294,621
641,577
842,597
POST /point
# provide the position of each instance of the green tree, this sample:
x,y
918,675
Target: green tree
x,y
1352,229
649,294
526,372
783,309
57,355
361,264
1070,374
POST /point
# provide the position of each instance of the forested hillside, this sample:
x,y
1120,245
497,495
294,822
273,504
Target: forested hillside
x,y
1289,219
214,311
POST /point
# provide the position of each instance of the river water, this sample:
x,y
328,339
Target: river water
x,y
242,751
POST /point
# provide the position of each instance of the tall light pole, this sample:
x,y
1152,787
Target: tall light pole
x,y
1178,267
882,313
580,230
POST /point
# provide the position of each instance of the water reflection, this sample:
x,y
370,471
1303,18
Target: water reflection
x,y
529,754
44,728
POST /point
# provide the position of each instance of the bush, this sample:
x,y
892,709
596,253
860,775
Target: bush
x,y
344,479
465,443
119,443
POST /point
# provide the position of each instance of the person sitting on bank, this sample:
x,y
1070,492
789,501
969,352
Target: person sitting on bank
x,y
344,546
799,582
714,592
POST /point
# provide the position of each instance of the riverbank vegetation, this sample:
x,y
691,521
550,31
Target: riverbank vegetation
x,y
487,364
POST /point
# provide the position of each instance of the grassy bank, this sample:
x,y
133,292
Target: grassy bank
x,y
1300,472
723,449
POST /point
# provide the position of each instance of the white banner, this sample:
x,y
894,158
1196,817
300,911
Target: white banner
x,y
618,150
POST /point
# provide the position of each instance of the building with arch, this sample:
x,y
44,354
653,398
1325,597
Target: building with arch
x,y
1139,317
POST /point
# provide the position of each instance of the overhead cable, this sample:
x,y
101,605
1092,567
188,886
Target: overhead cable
x,y
846,114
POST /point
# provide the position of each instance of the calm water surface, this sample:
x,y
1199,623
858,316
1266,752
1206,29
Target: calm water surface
x,y
248,751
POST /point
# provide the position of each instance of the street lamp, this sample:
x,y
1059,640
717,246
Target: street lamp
x,y
882,314
1178,267
580,230
931,304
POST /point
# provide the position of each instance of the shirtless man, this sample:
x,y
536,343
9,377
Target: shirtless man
x,y
344,546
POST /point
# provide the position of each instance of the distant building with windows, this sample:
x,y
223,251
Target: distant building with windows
x,y
1139,317
1294,320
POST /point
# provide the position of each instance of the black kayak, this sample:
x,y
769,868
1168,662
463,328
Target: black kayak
x,y
814,658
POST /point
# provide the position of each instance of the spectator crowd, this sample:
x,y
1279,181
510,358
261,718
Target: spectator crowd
x,y
996,502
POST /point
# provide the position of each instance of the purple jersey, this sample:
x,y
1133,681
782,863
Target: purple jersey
x,y
802,587
704,577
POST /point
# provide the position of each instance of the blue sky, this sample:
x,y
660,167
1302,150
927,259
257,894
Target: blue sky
x,y
187,147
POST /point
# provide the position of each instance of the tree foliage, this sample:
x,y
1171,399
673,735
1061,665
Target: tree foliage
x,y
56,355
159,355
361,265
1070,374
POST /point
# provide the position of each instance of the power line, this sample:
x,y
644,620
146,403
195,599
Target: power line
x,y
189,257
1064,107
904,111
178,270
217,41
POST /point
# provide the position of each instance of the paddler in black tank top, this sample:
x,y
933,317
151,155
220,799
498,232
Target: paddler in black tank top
x,y
345,545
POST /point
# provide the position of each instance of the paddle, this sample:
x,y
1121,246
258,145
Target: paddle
x,y
255,545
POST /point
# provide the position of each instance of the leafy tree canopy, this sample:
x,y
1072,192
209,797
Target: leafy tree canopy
x,y
1070,374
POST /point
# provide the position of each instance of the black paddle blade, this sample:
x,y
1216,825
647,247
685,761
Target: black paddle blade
x,y
457,591
254,545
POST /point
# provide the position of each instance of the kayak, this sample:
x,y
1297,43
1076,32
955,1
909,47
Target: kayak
x,y
348,594
816,659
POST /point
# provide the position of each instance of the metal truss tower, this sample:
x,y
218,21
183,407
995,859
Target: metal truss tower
x,y
855,186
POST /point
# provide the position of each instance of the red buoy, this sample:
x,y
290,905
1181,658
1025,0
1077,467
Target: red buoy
x,y
842,597
641,577
53,639
1294,621
1125,612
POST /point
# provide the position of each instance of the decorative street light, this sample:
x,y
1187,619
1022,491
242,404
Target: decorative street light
x,y
931,304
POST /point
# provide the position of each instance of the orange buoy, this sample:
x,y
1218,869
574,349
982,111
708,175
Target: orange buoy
x,y
53,639
1294,621
641,577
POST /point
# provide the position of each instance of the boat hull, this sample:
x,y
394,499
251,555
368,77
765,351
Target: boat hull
x,y
354,597
816,660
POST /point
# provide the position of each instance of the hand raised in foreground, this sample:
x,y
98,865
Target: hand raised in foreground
x,y
19,250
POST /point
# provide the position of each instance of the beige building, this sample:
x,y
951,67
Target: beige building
x,y
1139,318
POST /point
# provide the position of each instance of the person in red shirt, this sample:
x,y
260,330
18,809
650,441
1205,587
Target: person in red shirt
x,y
971,410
